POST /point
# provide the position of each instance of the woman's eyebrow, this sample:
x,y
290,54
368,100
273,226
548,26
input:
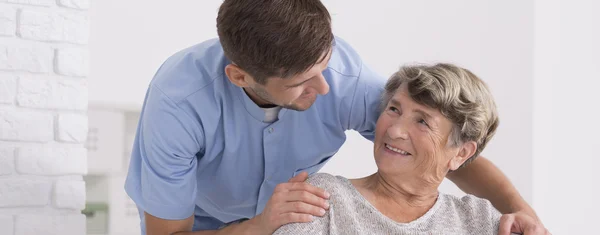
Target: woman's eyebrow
x,y
425,114
395,102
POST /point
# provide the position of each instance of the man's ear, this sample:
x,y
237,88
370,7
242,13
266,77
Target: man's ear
x,y
237,75
466,151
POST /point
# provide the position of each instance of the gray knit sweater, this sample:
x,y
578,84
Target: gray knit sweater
x,y
351,213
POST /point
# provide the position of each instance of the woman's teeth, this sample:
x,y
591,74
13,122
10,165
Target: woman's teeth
x,y
396,150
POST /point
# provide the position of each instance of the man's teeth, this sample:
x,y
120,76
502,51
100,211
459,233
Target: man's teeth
x,y
397,150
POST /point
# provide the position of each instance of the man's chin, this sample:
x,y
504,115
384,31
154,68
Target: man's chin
x,y
301,106
297,108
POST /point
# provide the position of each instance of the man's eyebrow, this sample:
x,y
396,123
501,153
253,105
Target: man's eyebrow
x,y
328,59
298,84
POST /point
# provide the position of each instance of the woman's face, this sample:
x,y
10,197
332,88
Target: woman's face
x,y
412,139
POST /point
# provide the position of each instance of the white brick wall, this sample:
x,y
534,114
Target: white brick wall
x,y
76,4
52,93
51,160
24,192
8,89
36,59
18,124
7,160
8,21
64,192
47,25
72,62
43,116
32,2
72,128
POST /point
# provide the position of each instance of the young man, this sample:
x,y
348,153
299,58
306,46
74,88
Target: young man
x,y
228,122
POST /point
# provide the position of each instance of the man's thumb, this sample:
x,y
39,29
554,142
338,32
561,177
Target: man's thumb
x,y
299,177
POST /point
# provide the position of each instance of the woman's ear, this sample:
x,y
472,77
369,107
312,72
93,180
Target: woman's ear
x,y
466,151
237,75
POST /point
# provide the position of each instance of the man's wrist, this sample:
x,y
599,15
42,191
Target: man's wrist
x,y
254,226
523,207
530,212
250,227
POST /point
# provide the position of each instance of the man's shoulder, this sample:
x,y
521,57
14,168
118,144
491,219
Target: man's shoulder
x,y
344,61
190,70
346,70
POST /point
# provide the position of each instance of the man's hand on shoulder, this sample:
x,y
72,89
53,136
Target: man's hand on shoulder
x,y
293,202
521,223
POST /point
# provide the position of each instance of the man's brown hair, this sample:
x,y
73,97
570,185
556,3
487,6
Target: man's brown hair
x,y
274,38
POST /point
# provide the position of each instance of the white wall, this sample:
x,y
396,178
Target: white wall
x,y
128,43
566,127
43,121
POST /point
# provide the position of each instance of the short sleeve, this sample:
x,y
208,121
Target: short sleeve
x,y
168,142
364,110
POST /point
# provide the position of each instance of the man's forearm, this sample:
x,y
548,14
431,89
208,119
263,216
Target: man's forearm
x,y
483,179
248,227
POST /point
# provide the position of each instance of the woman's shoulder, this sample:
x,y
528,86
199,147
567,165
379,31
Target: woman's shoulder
x,y
467,203
471,210
329,182
324,179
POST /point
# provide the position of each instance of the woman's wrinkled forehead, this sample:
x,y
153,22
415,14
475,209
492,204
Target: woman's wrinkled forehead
x,y
402,97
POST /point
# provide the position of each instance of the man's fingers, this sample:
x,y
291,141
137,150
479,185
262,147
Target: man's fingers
x,y
506,223
302,208
535,230
293,217
299,177
309,188
307,197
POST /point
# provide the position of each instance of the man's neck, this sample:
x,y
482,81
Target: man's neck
x,y
404,202
257,100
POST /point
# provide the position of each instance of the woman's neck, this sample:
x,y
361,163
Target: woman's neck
x,y
403,201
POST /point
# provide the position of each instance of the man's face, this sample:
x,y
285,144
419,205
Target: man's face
x,y
297,93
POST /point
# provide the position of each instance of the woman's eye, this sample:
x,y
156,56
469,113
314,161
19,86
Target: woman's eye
x,y
393,109
422,121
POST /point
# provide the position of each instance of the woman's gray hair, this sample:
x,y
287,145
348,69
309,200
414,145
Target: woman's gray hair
x,y
459,95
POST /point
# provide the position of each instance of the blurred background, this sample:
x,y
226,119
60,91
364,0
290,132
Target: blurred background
x,y
540,58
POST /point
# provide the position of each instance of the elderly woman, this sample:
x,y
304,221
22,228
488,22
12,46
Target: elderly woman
x,y
436,119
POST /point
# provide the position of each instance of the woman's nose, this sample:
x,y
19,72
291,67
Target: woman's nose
x,y
396,131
